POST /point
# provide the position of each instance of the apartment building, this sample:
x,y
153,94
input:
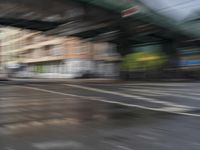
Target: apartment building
x,y
39,55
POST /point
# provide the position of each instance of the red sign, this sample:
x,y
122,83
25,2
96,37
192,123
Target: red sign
x,y
130,11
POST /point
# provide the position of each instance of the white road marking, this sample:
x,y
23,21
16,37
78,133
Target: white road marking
x,y
181,111
166,93
123,147
178,90
192,91
57,145
158,84
143,92
8,148
151,100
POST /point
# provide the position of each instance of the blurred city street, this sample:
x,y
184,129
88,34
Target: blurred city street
x,y
100,75
100,116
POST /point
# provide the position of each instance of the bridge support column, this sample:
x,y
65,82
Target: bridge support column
x,y
170,48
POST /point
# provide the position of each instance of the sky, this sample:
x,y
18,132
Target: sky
x,y
175,9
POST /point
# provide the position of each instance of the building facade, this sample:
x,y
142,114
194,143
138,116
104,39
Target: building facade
x,y
34,54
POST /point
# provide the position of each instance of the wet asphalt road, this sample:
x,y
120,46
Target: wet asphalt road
x,y
123,116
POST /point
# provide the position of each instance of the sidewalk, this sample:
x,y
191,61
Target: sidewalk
x,y
90,81
59,80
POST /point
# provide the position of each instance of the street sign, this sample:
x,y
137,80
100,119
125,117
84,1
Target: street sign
x,y
130,11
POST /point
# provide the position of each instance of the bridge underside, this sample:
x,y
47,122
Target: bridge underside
x,y
72,18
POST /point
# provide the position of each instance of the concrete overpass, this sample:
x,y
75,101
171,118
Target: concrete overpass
x,y
49,14
99,19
